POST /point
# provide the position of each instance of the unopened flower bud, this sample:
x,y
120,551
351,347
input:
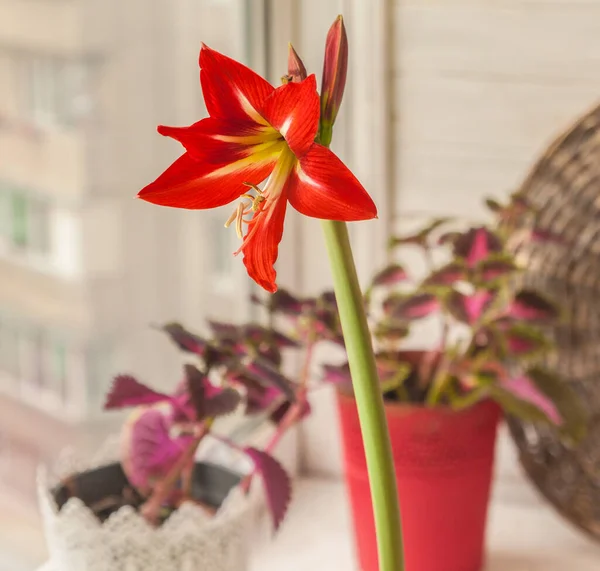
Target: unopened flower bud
x,y
296,69
335,68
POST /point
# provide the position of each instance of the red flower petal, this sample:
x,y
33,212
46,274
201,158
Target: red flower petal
x,y
293,109
231,90
218,142
322,186
261,243
193,184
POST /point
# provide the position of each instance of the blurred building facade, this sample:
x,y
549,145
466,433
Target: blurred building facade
x,y
84,268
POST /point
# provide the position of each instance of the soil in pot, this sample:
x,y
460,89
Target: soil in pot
x,y
106,489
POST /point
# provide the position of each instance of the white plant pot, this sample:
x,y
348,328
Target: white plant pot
x,y
190,540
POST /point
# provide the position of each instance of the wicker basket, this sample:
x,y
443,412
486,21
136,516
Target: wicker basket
x,y
564,186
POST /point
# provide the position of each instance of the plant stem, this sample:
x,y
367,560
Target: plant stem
x,y
150,510
294,413
369,400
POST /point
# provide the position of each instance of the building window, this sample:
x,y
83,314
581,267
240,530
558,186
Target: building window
x,y
24,221
53,90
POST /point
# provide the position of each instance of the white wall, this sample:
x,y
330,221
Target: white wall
x,y
479,90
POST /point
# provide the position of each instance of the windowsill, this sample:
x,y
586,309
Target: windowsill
x,y
317,535
520,537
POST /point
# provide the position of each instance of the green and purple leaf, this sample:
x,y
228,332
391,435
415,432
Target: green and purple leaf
x,y
496,268
493,205
469,309
260,334
447,275
278,487
476,245
390,331
416,306
126,391
391,275
531,306
421,237
524,341
569,405
448,238
525,389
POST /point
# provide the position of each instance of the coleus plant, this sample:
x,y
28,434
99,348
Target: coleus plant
x,y
491,332
239,367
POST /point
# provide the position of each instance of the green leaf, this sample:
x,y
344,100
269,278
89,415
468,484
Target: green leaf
x,y
566,400
390,331
516,406
421,237
393,375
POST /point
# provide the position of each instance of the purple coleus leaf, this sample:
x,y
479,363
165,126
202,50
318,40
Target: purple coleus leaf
x,y
391,275
224,330
184,339
259,399
278,486
447,275
410,307
126,391
469,308
476,245
282,301
268,375
528,305
525,389
258,333
148,449
208,400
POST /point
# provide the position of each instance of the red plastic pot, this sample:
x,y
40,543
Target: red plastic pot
x,y
444,462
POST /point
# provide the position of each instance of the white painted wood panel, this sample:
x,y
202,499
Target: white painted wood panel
x,y
523,40
494,115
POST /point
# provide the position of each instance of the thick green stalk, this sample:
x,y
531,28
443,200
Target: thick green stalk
x,y
367,390
369,400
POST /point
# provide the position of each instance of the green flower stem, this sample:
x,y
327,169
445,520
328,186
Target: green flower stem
x,y
367,390
368,395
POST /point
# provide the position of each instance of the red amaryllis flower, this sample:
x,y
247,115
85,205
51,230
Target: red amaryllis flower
x,y
257,132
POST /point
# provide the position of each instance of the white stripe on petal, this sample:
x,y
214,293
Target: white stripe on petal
x,y
251,112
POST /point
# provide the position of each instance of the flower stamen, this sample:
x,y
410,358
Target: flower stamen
x,y
248,206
